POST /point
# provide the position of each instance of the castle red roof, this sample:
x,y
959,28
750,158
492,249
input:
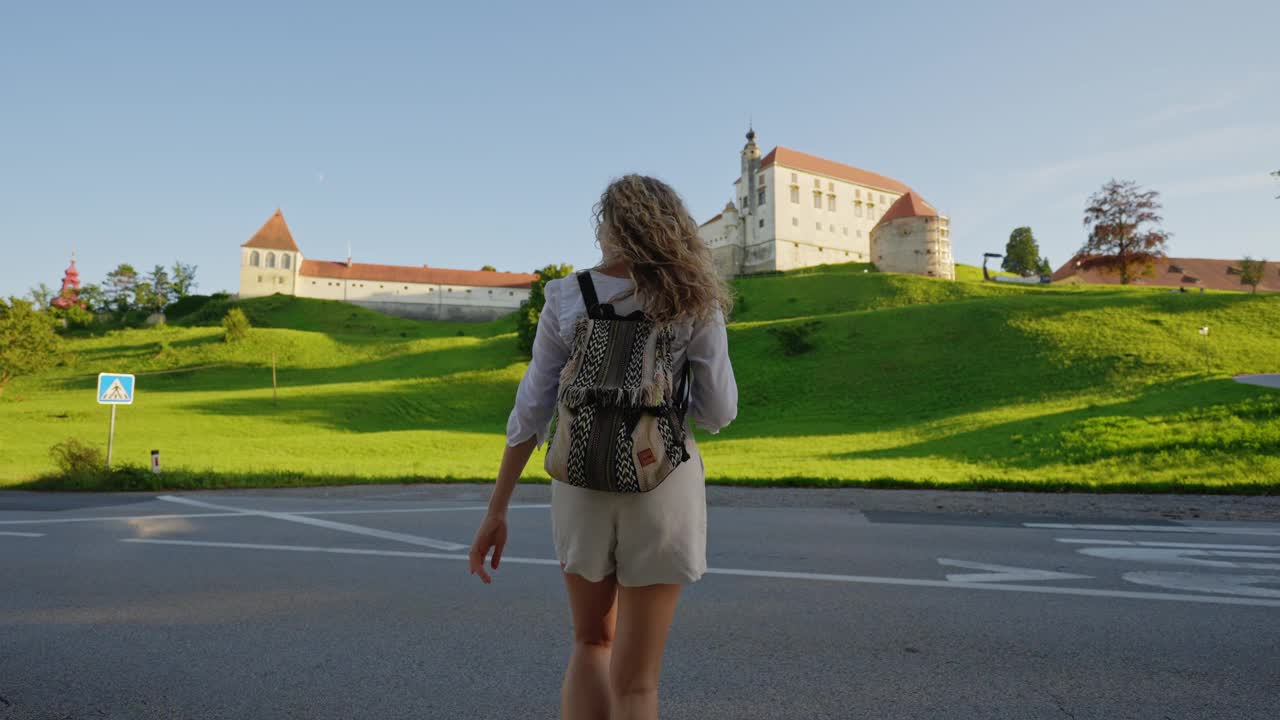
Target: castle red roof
x,y
909,205
273,235
1177,272
409,274
821,166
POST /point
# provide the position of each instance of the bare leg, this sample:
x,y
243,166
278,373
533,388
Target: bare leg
x,y
585,692
644,617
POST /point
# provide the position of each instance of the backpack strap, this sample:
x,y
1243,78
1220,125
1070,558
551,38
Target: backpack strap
x,y
597,310
589,293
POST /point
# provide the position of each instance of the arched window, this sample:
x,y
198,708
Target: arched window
x,y
284,261
271,260
253,258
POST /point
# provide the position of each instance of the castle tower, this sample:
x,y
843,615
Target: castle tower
x,y
913,238
70,293
270,260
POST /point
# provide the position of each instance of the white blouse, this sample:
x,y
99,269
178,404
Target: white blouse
x,y
713,401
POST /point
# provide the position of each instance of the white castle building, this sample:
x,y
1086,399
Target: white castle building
x,y
792,209
271,262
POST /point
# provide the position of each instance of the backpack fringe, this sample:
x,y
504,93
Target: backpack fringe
x,y
570,369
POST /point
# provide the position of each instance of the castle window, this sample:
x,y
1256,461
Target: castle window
x,y
253,258
284,261
831,203
490,292
793,177
845,229
832,228
831,187
818,225
761,222
796,244
817,199
795,222
857,194
761,198
817,183
795,194
761,179
513,292
744,202
259,278
271,260
468,289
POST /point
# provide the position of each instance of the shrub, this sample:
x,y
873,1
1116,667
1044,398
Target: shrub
x,y
796,338
236,324
76,458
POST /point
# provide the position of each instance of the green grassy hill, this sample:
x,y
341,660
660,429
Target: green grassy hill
x,y
912,381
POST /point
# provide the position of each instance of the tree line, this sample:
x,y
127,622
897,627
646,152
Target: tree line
x,y
125,290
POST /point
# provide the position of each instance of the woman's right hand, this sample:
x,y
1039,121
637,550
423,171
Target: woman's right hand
x,y
492,534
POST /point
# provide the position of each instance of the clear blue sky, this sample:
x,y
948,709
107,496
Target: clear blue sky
x,y
462,134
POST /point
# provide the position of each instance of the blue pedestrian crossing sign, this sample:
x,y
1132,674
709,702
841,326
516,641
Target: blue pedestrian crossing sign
x,y
115,389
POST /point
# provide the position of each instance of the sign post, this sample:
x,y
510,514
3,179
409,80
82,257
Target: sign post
x,y
114,389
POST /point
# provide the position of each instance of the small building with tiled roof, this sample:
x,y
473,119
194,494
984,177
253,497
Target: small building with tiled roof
x,y
1186,273
271,262
792,209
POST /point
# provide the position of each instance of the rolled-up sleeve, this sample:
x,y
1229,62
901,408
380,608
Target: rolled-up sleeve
x,y
536,396
714,395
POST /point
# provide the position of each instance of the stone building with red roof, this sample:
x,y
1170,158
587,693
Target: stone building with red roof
x,y
792,209
271,262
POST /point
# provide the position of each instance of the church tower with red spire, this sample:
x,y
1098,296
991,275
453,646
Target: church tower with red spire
x,y
70,293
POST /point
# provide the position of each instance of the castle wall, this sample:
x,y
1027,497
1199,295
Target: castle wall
x,y
428,300
438,311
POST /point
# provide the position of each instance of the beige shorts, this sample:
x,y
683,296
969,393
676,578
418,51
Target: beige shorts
x,y
647,538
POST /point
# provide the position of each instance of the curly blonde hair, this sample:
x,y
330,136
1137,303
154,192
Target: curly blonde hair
x,y
642,221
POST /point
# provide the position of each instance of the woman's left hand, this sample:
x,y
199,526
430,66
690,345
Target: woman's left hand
x,y
492,534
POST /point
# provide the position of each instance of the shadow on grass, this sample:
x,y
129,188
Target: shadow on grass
x,y
1031,442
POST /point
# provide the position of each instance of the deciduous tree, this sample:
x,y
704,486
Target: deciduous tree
x,y
1022,253
27,340
1252,271
531,310
121,287
183,279
1124,230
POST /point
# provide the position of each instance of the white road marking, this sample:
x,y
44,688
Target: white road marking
x,y
1186,556
824,577
21,534
382,511
1203,582
335,550
106,518
165,516
329,524
1003,573
1193,529
1198,546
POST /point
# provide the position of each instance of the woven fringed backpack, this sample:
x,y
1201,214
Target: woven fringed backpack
x,y
619,419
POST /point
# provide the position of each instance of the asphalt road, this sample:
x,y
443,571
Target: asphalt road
x,y
356,603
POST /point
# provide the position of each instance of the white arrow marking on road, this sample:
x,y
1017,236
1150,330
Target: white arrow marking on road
x,y
1203,582
1003,573
1186,556
22,534
331,525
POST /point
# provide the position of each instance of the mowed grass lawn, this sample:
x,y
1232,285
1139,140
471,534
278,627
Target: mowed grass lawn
x,y
912,381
